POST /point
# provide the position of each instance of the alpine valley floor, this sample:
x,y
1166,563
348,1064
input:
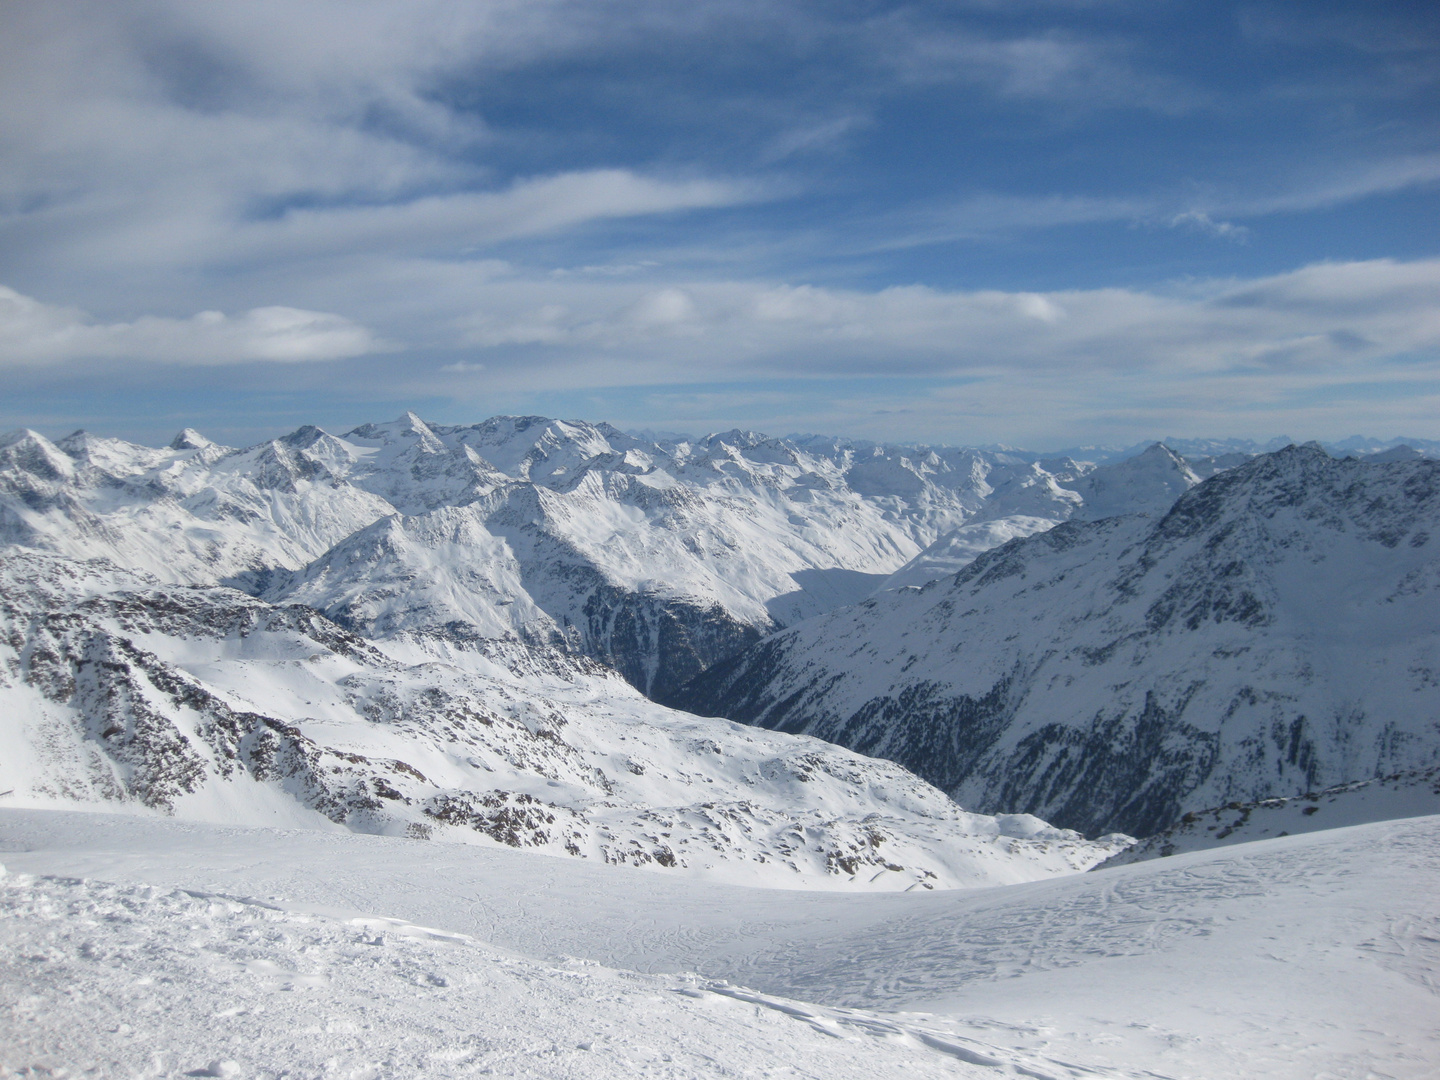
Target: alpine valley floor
x,y
135,946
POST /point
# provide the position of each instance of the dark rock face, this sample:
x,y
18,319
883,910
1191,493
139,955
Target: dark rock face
x,y
1275,632
656,643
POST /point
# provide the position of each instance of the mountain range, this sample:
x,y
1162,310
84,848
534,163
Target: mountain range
x,y
1276,631
657,559
453,631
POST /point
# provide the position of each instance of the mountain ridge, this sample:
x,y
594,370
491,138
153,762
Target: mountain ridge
x,y
657,558
118,691
1271,634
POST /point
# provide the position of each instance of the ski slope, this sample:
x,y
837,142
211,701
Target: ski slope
x,y
138,946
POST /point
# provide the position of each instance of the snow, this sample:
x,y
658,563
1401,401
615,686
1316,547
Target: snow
x,y
1410,794
137,946
1274,633
548,507
959,548
205,703
459,846
177,983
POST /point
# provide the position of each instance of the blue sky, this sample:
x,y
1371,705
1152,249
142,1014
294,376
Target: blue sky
x,y
1043,223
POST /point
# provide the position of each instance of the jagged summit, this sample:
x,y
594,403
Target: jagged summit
x,y
190,439
28,454
1150,482
304,437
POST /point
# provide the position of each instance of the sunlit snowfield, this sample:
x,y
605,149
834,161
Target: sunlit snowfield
x,y
147,947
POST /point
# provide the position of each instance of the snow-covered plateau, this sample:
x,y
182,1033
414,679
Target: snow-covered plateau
x,y
149,947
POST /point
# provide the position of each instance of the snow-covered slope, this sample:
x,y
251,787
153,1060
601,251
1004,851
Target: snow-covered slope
x,y
205,703
193,513
1403,795
656,558
216,950
1276,632
1148,483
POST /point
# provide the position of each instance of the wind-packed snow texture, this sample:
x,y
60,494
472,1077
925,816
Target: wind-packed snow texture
x,y
148,947
656,558
1276,632
200,701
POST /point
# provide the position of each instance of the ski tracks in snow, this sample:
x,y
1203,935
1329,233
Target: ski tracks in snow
x,y
965,938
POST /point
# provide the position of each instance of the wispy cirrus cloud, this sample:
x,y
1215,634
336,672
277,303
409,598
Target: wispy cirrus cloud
x,y
171,137
1071,69
1219,213
1328,317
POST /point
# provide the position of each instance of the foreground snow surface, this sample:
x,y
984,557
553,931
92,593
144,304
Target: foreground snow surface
x,y
133,946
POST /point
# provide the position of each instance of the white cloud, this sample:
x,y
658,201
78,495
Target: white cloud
x,y
1073,70
1329,320
312,151
1327,349
160,138
1200,221
35,333
471,219
1341,185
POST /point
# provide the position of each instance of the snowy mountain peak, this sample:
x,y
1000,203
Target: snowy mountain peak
x,y
189,439
304,437
29,453
1150,482
407,429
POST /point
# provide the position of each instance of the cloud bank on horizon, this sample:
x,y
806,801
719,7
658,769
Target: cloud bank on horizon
x,y
1040,222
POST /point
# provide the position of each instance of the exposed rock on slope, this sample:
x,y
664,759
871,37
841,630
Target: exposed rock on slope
x,y
119,691
1403,795
1277,631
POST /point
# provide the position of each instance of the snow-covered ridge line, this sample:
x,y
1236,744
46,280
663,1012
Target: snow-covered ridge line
x,y
1401,795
